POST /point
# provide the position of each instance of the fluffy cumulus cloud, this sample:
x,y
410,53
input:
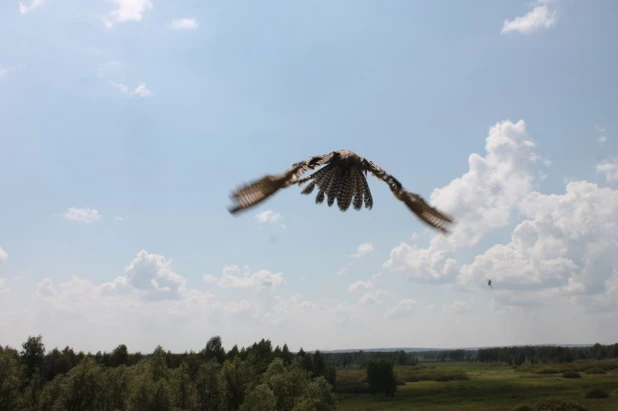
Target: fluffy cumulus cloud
x,y
609,169
83,215
151,276
367,289
232,277
270,217
542,16
482,200
3,255
565,246
184,24
152,299
561,245
363,250
372,297
127,10
403,308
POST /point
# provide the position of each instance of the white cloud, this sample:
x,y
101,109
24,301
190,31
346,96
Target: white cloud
x,y
122,87
609,168
184,24
116,70
481,200
602,134
372,297
364,285
458,306
140,90
562,245
363,250
127,10
369,295
78,303
541,17
34,4
271,217
46,288
151,275
261,278
402,309
431,265
288,309
83,215
119,218
342,271
209,279
151,299
565,247
3,254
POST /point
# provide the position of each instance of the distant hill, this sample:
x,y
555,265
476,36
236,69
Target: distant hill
x,y
419,349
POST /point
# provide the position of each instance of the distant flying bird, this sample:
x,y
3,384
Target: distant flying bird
x,y
342,179
489,283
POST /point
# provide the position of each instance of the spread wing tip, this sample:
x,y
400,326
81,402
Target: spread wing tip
x,y
428,214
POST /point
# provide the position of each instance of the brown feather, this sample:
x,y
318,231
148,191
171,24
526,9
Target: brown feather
x,y
343,178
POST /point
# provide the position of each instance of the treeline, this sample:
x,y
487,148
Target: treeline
x,y
254,378
361,359
546,354
450,355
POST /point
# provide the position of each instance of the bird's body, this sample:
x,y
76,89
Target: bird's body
x,y
489,283
343,178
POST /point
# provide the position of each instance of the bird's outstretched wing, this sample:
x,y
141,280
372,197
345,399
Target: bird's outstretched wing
x,y
255,192
417,204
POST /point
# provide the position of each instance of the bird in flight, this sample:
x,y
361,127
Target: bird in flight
x,y
342,179
489,283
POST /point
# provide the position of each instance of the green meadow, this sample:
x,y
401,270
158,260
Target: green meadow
x,y
434,385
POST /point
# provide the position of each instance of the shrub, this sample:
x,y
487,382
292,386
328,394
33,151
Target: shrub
x,y
596,370
571,374
547,370
597,393
381,378
523,408
557,405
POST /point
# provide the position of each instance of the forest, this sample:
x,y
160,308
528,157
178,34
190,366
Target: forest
x,y
257,377
253,378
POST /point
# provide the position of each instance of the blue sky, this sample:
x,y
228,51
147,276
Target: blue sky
x,y
125,124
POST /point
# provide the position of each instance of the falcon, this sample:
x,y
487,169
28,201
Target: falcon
x,y
343,178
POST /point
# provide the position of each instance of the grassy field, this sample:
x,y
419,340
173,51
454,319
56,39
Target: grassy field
x,y
464,386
